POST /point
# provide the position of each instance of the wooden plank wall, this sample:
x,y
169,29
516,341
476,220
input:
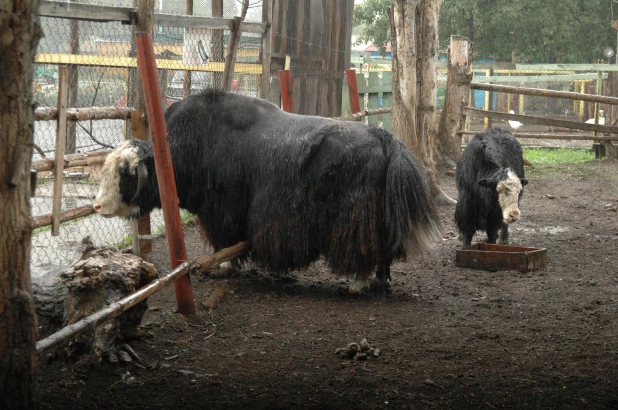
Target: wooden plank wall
x,y
316,35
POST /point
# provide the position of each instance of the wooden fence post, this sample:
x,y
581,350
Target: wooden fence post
x,y
186,83
488,100
230,57
61,137
141,232
287,99
267,16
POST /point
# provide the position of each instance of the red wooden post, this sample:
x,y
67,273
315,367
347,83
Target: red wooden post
x,y
287,99
353,92
164,168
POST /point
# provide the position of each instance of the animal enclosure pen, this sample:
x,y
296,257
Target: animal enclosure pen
x,y
95,40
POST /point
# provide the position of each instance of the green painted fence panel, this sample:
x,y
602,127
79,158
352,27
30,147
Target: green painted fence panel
x,y
374,91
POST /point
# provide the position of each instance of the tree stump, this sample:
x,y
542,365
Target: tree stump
x,y
98,277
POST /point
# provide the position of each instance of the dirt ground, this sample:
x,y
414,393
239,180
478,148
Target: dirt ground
x,y
447,337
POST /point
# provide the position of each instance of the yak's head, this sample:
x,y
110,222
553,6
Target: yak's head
x,y
509,187
124,176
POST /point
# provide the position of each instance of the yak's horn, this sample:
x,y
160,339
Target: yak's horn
x,y
142,179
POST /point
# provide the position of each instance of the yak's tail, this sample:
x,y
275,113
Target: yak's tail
x,y
413,225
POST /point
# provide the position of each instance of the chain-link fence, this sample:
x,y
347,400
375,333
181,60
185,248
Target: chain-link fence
x,y
102,73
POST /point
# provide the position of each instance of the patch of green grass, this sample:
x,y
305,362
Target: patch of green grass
x,y
558,156
125,242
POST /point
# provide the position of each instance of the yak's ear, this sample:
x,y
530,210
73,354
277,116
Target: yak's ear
x,y
524,182
488,183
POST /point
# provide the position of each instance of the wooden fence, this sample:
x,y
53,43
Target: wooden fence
x,y
374,92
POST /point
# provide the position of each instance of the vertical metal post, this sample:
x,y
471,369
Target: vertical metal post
x,y
164,168
287,99
353,91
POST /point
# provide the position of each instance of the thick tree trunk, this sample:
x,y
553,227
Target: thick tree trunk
x,y
19,35
457,96
414,40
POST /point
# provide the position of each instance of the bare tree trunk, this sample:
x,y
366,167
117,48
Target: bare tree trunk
x,y
19,36
414,40
459,66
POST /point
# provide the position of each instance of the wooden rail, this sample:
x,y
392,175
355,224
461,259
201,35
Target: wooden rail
x,y
72,160
70,215
128,15
535,135
544,93
529,119
364,113
126,62
84,114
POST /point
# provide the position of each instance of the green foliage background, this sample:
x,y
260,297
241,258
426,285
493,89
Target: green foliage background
x,y
533,31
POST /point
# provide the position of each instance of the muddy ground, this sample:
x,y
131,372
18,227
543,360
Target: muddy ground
x,y
447,337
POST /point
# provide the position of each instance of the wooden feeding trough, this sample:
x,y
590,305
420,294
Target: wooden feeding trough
x,y
494,257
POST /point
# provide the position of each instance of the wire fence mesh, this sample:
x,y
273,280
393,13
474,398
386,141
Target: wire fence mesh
x,y
102,67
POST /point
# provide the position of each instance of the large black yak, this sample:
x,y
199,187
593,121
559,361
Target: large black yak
x,y
296,187
490,179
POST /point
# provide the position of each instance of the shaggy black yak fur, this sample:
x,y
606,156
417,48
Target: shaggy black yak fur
x,y
490,180
295,186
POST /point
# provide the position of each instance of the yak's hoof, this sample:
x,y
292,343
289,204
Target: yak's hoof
x,y
380,286
358,286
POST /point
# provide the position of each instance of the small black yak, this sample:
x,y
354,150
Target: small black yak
x,y
296,187
490,179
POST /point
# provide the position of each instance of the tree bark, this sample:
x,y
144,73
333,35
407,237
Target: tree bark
x,y
19,36
452,119
414,41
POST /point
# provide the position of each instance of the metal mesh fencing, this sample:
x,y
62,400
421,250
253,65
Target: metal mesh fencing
x,y
102,73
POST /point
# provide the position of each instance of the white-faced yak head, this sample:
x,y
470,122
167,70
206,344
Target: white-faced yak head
x,y
509,187
124,177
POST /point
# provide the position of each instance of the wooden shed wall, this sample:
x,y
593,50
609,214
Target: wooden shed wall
x,y
316,34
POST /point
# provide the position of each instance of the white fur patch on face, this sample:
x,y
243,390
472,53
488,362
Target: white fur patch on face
x,y
108,201
508,196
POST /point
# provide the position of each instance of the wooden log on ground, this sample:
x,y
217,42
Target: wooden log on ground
x,y
115,309
84,114
97,277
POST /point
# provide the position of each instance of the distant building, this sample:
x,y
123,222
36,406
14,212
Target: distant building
x,y
373,52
